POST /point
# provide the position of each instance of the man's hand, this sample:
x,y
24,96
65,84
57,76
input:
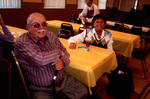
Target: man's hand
x,y
80,16
59,64
63,54
72,46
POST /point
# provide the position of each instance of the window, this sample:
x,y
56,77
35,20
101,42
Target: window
x,y
81,4
10,3
126,5
102,4
58,4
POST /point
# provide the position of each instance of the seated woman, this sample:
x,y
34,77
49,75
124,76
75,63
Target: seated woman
x,y
99,36
4,36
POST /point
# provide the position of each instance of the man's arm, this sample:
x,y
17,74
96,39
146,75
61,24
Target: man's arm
x,y
7,34
65,55
34,56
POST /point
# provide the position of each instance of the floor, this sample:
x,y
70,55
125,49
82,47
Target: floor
x,y
138,79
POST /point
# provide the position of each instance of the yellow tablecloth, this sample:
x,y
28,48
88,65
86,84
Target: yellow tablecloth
x,y
89,66
14,31
124,43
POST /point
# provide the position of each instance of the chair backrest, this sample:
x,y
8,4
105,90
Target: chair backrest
x,y
126,29
64,34
67,26
5,76
73,20
107,26
8,50
137,31
81,29
123,28
117,25
8,46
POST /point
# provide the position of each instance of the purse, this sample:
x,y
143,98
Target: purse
x,y
120,83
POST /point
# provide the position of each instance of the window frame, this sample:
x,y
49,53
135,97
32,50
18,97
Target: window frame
x,y
53,7
82,6
125,9
13,7
105,5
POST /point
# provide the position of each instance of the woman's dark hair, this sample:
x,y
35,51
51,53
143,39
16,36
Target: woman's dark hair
x,y
99,16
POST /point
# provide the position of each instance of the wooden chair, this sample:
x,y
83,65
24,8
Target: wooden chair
x,y
24,81
145,92
8,48
5,76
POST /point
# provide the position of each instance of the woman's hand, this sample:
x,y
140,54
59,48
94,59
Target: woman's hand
x,y
72,46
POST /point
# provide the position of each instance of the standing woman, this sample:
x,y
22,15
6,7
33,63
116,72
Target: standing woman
x,y
89,11
99,36
4,36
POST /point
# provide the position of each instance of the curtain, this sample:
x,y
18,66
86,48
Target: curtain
x,y
54,3
81,4
126,5
102,4
10,3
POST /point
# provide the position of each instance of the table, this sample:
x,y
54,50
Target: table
x,y
89,66
14,31
124,43
55,25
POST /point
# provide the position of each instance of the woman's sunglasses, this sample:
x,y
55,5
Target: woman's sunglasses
x,y
37,25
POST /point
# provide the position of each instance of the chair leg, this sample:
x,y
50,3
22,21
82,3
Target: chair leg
x,y
143,68
10,70
145,65
126,61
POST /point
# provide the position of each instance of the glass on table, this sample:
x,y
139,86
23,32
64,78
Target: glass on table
x,y
88,41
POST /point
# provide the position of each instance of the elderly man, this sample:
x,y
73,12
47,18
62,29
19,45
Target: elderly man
x,y
89,11
40,53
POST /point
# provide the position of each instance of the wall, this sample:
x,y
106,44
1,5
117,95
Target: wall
x,y
71,2
142,2
17,17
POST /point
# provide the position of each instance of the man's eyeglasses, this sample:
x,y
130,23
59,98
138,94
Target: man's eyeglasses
x,y
37,25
